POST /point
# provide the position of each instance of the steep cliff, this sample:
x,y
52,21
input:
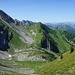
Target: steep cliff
x,y
6,17
5,37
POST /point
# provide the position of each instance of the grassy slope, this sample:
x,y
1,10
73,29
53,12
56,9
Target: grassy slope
x,y
60,66
62,44
19,64
36,28
42,30
57,67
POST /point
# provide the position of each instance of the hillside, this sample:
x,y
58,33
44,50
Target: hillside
x,y
12,36
48,35
65,66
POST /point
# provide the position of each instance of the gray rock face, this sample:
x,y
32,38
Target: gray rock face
x,y
6,17
4,55
4,39
23,22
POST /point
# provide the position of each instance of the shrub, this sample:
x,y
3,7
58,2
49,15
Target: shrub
x,y
71,49
61,56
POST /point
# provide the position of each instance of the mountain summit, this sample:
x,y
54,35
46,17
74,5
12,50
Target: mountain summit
x,y
6,17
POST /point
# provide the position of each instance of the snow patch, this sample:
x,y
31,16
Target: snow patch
x,y
9,55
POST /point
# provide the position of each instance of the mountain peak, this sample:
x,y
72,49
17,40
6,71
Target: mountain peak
x,y
1,11
6,17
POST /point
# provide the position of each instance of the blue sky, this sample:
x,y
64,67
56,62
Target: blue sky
x,y
40,10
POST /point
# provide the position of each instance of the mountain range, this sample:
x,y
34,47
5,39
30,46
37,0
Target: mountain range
x,y
8,19
72,24
28,34
27,45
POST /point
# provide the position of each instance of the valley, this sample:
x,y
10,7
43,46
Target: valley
x,y
33,48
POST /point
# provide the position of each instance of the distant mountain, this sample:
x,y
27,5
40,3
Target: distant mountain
x,y
72,24
66,28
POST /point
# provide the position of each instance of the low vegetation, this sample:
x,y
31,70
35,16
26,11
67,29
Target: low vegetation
x,y
64,66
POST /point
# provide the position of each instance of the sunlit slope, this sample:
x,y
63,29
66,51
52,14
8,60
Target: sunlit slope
x,y
63,66
41,33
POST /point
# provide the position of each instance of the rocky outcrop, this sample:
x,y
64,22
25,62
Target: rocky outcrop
x,y
50,45
23,22
6,17
5,38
